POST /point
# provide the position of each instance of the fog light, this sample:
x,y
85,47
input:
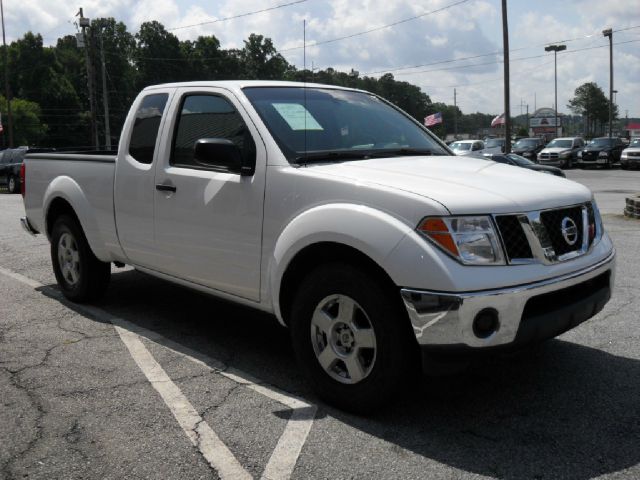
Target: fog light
x,y
486,323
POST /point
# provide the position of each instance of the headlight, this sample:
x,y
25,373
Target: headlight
x,y
597,224
565,155
470,240
624,155
603,154
580,154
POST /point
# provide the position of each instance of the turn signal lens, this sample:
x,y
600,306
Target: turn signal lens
x,y
437,230
472,240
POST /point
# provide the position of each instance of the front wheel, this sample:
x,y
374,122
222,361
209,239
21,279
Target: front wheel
x,y
80,275
351,338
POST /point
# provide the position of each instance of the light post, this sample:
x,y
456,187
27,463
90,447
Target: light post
x,y
609,33
555,49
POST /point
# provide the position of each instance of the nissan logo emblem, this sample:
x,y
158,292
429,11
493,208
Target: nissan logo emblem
x,y
569,231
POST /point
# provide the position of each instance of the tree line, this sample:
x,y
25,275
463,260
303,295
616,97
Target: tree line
x,y
49,84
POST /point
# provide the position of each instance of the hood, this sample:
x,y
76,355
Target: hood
x,y
597,148
523,149
555,150
464,185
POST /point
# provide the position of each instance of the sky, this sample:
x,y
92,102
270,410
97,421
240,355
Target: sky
x,y
438,38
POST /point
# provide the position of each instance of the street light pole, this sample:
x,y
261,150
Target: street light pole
x,y
555,49
7,89
609,33
507,104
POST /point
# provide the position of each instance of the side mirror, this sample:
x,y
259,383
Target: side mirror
x,y
222,153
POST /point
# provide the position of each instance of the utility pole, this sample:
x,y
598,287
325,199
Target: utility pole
x,y
609,33
105,98
7,89
455,115
84,23
528,119
507,108
555,49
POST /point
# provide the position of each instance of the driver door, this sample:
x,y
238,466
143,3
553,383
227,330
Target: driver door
x,y
208,220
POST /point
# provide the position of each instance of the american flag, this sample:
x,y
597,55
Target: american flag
x,y
432,120
499,120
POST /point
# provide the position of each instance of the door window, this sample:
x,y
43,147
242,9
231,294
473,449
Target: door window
x,y
145,128
209,116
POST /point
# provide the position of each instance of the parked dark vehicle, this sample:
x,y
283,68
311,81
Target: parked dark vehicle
x,y
10,162
518,161
528,148
602,151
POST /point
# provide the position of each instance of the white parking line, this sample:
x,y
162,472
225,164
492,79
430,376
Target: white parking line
x,y
198,431
284,457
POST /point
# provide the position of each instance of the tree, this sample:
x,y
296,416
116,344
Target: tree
x,y
28,129
158,56
261,60
590,101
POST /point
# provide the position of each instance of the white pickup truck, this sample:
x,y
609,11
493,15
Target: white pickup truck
x,y
335,211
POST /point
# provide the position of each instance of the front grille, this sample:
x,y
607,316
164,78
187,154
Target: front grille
x,y
589,156
633,154
552,220
513,237
549,156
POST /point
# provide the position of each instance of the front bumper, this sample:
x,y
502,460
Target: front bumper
x,y
630,161
525,313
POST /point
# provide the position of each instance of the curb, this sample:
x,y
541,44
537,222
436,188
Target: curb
x,y
632,207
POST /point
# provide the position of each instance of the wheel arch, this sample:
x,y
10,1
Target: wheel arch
x,y
317,254
350,233
64,196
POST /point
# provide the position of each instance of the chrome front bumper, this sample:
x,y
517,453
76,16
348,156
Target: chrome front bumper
x,y
442,319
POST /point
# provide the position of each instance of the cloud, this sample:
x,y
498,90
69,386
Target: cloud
x,y
466,30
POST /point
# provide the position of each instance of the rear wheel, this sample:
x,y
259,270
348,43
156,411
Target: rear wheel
x,y
14,184
80,275
351,340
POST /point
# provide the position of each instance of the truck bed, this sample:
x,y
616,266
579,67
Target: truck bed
x,y
88,178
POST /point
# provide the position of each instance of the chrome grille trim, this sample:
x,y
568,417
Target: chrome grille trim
x,y
540,242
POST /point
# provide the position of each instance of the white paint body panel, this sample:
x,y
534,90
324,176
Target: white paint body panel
x,y
235,236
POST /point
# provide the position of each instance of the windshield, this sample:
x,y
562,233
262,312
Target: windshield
x,y
635,142
326,124
602,142
461,146
526,142
494,142
523,162
560,144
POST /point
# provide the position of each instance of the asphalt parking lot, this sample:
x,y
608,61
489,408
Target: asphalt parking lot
x,y
157,381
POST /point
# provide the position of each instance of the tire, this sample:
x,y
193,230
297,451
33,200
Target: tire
x,y
355,377
80,275
13,184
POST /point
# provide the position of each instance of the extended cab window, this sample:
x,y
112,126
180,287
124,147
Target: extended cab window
x,y
208,116
145,128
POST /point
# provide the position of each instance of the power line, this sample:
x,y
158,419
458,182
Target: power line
x,y
357,34
566,52
275,7
498,52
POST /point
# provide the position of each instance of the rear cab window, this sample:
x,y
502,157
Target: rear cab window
x,y
146,125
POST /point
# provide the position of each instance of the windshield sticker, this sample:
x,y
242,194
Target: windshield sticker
x,y
297,116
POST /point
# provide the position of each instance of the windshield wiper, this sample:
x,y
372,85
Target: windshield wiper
x,y
332,155
337,155
398,152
